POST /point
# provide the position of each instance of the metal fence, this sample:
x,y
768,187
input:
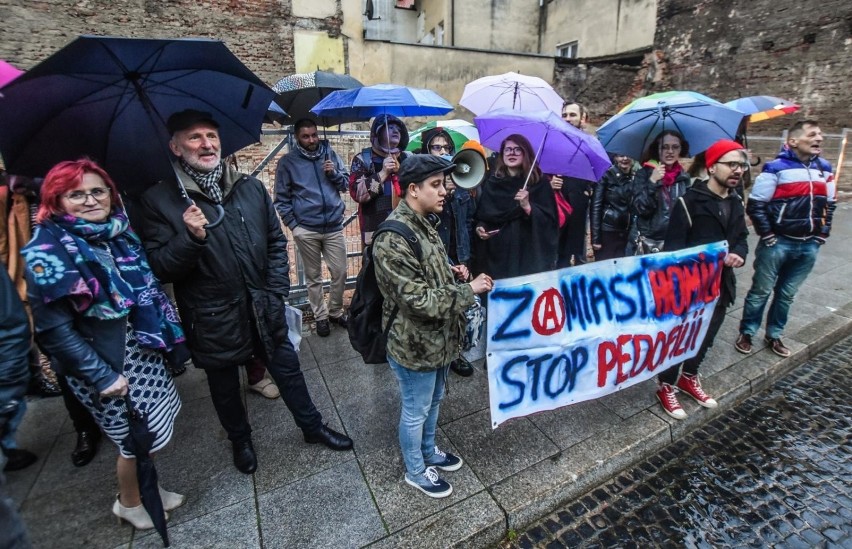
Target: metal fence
x,y
347,144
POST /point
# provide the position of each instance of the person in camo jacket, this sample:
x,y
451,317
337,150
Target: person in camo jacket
x,y
424,335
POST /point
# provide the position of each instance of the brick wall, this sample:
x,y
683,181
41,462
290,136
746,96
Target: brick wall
x,y
259,32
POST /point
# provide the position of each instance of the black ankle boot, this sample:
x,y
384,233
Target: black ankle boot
x,y
87,447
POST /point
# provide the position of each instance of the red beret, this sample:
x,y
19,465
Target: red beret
x,y
719,149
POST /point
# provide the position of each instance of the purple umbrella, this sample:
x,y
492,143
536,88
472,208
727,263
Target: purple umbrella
x,y
8,73
561,148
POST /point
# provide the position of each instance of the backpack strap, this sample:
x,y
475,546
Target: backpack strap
x,y
400,228
685,209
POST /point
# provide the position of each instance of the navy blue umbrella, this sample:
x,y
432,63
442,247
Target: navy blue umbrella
x,y
138,442
108,98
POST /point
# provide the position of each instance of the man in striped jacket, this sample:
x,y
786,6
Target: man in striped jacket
x,y
791,206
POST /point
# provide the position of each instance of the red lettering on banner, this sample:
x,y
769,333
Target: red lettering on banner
x,y
548,313
677,287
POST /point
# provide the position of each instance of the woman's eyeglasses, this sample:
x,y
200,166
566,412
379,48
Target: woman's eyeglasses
x,y
513,150
439,148
80,197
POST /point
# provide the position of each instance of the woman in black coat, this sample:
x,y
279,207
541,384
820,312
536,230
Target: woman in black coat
x,y
610,211
710,211
658,185
516,219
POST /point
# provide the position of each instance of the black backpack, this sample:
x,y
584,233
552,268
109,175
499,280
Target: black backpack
x,y
365,310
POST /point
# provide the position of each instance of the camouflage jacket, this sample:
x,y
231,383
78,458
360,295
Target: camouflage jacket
x,y
425,333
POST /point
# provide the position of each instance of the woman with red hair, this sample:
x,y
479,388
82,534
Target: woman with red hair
x,y
87,276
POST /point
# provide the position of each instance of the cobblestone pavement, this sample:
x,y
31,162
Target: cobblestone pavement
x,y
774,472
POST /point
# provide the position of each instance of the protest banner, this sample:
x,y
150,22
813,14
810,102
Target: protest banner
x,y
580,333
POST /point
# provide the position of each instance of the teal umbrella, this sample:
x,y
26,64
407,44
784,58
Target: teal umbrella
x,y
460,131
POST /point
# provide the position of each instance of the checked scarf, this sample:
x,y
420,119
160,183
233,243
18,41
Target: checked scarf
x,y
209,182
62,262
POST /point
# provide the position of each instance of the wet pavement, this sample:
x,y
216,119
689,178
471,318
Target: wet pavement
x,y
776,471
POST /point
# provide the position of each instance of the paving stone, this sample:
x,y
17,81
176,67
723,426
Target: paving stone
x,y
400,504
331,349
264,412
629,402
372,421
351,380
572,424
330,509
233,526
465,396
495,454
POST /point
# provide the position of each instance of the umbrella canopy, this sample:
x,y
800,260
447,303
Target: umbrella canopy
x,y
108,98
510,91
138,442
701,120
763,107
298,93
561,148
8,73
460,131
275,114
369,101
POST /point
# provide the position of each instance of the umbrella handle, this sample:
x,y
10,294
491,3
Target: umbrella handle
x,y
220,211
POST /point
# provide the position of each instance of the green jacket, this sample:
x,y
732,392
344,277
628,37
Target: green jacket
x,y
425,333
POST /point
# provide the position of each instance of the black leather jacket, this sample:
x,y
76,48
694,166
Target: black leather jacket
x,y
652,203
610,209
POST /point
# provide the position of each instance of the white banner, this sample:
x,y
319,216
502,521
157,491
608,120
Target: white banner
x,y
580,333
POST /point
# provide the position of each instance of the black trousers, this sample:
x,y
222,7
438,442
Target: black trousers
x,y
80,416
690,365
613,245
286,371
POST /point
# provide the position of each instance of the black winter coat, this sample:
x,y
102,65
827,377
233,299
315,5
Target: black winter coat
x,y
610,209
709,225
652,203
230,288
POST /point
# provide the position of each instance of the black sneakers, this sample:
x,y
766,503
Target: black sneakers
x,y
323,328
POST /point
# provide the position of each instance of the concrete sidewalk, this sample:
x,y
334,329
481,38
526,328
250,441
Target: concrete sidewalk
x,y
308,496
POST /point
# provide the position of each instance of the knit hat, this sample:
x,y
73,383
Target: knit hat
x,y
719,149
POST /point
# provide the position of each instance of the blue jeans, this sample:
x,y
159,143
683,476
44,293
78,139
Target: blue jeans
x,y
421,394
780,268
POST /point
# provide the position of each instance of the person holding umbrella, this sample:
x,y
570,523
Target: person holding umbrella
x,y
373,179
516,222
230,282
658,185
102,316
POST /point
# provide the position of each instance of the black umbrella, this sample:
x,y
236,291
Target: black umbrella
x,y
108,98
298,93
139,442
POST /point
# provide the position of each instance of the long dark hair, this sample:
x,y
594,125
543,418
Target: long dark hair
x,y
500,169
653,150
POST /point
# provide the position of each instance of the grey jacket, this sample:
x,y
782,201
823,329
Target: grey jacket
x,y
305,196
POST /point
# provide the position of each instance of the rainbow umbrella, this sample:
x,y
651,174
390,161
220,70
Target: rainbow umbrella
x,y
763,107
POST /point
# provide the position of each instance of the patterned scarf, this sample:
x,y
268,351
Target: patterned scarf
x,y
209,182
312,155
62,261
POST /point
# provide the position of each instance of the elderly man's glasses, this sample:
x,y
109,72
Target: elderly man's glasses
x,y
734,166
513,150
439,148
80,197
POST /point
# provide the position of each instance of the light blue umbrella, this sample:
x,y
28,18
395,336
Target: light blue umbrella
x,y
701,120
369,101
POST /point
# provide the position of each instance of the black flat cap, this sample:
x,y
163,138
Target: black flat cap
x,y
418,167
188,118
